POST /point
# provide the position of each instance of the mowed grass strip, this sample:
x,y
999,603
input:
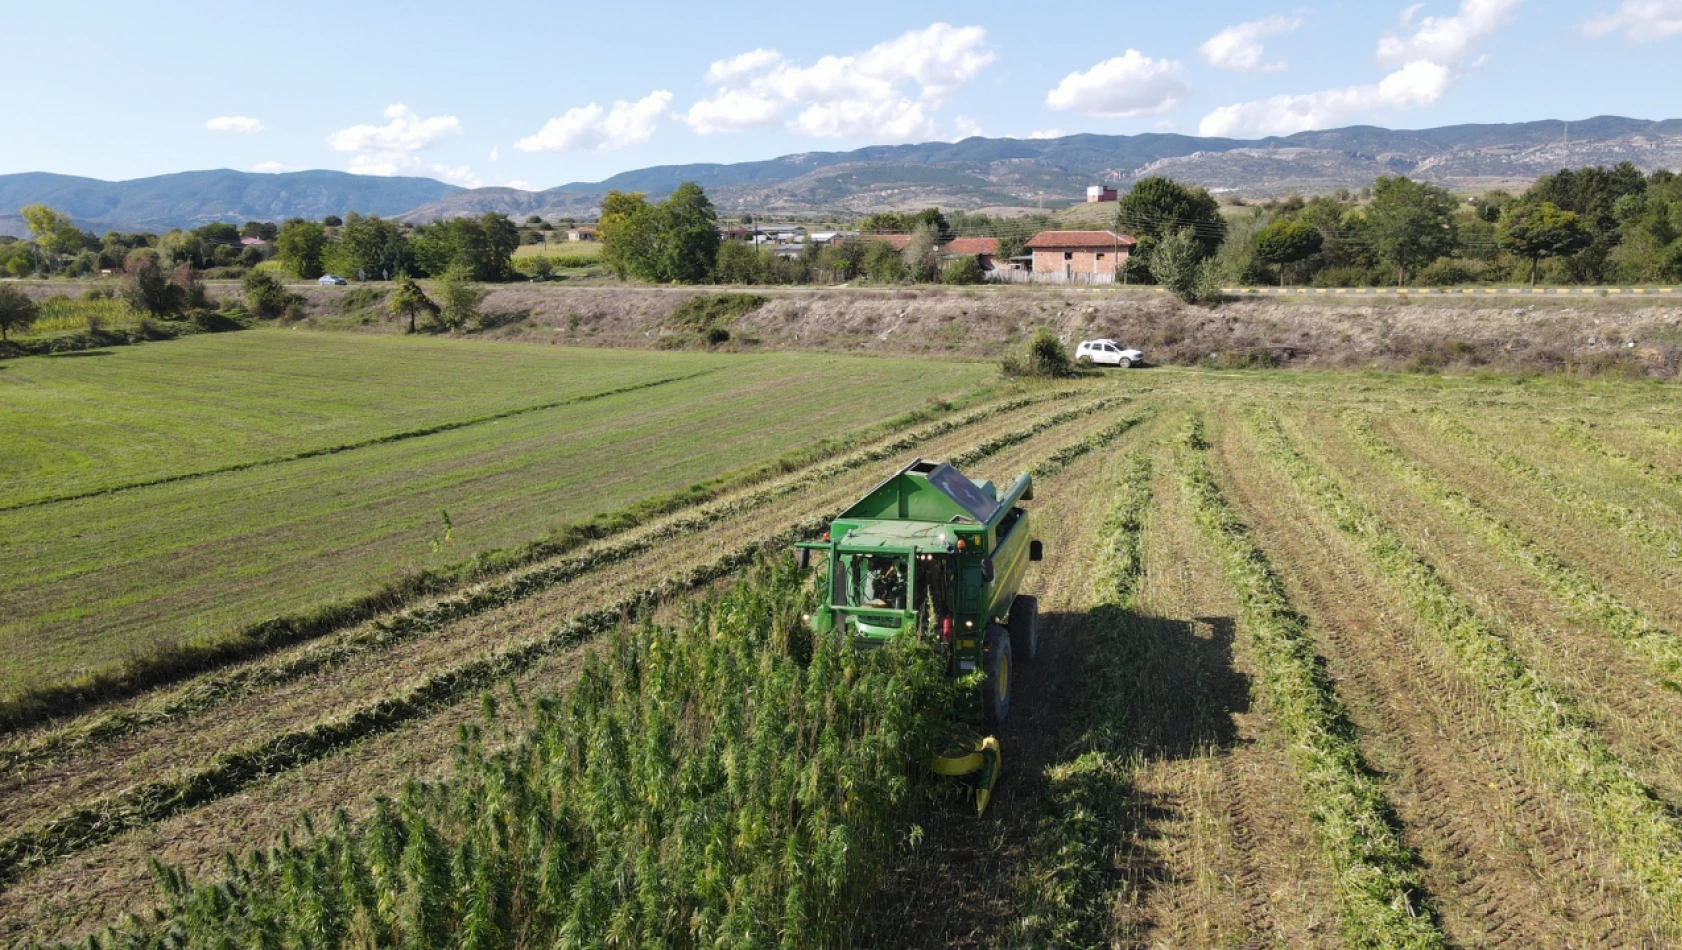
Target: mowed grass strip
x,y
208,692
1625,520
1577,593
1380,885
1580,433
1641,830
133,414
88,824
87,584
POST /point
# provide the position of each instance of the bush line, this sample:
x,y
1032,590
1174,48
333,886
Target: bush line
x,y
1571,588
403,436
1069,887
1641,830
402,627
199,655
1380,890
96,822
1628,522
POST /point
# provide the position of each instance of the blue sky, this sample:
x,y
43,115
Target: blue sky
x,y
540,94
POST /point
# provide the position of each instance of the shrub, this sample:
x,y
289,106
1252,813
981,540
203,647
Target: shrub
x,y
99,292
148,291
17,311
265,296
1449,272
458,300
1343,277
1178,266
703,312
964,270
1046,357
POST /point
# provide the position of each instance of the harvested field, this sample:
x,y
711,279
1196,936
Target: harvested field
x,y
1330,659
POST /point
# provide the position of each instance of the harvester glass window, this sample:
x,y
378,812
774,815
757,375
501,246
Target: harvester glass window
x,y
932,588
878,580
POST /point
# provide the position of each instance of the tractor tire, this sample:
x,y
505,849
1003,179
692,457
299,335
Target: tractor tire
x,y
1025,627
995,702
1124,363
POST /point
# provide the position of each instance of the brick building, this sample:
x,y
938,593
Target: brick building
x,y
1089,256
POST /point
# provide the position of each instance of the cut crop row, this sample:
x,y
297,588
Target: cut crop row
x,y
1580,434
1627,521
1380,890
729,782
1642,831
1574,590
94,822
198,656
1070,882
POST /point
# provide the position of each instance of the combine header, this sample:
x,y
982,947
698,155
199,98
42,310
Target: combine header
x,y
931,553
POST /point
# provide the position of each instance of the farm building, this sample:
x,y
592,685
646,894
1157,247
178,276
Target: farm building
x,y
1097,193
583,232
1084,257
984,249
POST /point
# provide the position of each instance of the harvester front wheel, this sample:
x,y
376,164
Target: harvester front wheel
x,y
996,702
1025,627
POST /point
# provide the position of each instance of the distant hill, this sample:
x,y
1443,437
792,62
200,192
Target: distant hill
x,y
1027,173
189,199
976,173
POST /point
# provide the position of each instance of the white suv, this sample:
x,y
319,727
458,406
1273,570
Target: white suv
x,y
1107,353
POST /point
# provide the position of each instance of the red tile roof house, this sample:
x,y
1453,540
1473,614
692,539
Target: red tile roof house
x,y
1085,257
984,249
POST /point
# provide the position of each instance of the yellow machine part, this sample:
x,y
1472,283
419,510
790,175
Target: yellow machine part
x,y
983,759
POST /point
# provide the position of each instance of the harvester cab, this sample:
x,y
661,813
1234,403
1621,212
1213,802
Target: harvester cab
x,y
931,553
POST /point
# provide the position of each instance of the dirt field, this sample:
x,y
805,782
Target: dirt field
x,y
1358,659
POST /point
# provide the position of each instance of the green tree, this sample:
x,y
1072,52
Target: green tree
x,y
1542,230
846,259
148,290
966,269
687,236
182,247
302,248
1158,207
1410,223
332,221
922,253
1178,264
52,230
371,248
266,296
17,311
409,301
737,263
883,264
458,300
1286,242
625,231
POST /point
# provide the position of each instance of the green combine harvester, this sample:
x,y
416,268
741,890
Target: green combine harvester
x,y
931,553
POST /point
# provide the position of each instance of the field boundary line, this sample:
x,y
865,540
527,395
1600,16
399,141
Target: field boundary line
x,y
193,657
93,823
1574,590
1640,828
411,623
1380,884
1628,522
402,436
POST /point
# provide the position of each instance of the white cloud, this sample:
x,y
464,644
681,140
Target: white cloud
x,y
888,93
732,110
244,125
1426,61
966,126
735,67
1415,85
519,183
592,127
270,168
1124,87
1446,40
495,152
393,148
1641,20
1239,48
1046,134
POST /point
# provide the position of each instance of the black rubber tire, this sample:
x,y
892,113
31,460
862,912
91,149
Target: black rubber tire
x,y
1025,627
995,688
1124,363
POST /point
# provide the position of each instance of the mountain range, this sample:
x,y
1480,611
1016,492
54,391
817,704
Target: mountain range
x,y
995,174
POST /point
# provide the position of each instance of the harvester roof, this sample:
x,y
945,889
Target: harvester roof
x,y
927,491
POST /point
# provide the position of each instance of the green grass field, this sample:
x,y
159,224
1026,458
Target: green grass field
x,y
100,562
560,247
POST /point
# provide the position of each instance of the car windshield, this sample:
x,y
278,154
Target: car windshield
x,y
872,580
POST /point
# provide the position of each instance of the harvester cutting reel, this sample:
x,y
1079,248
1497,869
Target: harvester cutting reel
x,y
974,762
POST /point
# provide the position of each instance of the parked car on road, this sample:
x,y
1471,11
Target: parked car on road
x,y
1107,353
332,280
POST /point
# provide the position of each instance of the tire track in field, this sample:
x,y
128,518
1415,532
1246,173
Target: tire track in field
x,y
402,436
1499,842
210,691
145,805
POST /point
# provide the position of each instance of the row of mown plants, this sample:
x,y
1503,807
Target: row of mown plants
x,y
1580,434
93,822
1639,827
727,782
1575,591
389,631
194,656
1069,887
1381,894
1626,521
